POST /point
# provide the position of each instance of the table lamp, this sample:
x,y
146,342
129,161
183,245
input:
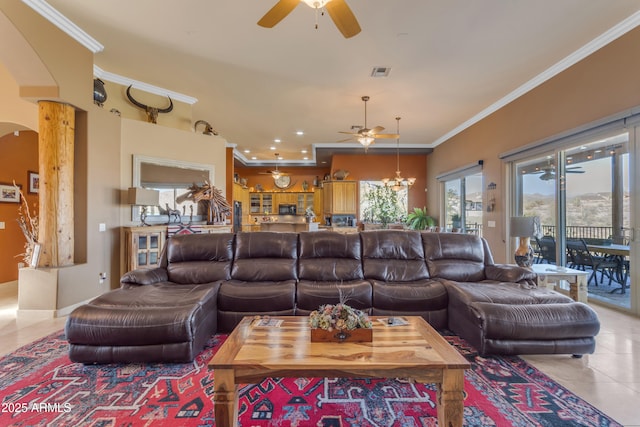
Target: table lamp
x,y
143,197
523,227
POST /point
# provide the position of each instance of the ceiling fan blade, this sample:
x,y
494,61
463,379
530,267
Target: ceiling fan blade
x,y
376,129
386,136
343,17
348,133
277,13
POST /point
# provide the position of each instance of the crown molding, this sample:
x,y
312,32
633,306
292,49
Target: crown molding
x,y
62,22
126,81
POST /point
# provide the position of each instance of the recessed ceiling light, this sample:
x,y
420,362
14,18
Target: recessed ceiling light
x,y
324,161
304,151
247,151
305,158
299,132
272,148
277,141
254,158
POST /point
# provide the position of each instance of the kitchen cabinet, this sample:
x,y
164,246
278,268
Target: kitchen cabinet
x,y
261,203
318,204
340,197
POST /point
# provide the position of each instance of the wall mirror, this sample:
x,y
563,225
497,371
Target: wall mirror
x,y
171,178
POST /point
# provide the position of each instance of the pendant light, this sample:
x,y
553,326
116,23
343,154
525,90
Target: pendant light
x,y
398,183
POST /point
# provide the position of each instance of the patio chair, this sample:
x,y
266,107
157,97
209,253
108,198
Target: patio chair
x,y
546,249
581,258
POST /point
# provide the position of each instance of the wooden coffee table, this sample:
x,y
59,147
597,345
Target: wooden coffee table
x,y
416,351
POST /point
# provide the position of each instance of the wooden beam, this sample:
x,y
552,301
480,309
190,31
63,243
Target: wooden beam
x,y
56,123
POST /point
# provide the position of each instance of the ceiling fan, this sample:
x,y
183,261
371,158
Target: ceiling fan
x,y
366,136
338,10
547,173
275,173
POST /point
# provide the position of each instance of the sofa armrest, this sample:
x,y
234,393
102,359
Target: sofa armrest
x,y
146,276
511,273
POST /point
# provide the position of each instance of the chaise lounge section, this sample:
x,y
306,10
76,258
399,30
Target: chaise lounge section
x,y
207,283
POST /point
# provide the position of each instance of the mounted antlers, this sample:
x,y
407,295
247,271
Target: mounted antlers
x,y
208,129
152,112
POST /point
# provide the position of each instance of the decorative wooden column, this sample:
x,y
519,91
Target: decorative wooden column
x,y
56,127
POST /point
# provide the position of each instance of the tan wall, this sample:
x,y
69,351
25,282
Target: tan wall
x,y
17,114
601,85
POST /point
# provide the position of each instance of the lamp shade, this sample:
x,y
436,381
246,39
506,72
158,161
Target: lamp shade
x,y
524,226
143,197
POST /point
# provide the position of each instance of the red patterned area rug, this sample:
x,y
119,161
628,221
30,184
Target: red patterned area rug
x,y
40,386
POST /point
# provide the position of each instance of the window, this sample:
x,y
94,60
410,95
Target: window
x,y
463,207
382,204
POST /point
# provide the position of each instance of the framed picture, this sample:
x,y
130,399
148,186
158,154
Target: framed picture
x,y
9,194
34,182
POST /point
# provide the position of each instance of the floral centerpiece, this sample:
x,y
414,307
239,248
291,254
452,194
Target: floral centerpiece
x,y
339,322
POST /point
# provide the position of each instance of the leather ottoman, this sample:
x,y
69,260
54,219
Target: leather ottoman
x,y
150,323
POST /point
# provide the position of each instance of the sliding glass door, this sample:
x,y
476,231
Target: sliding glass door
x,y
583,195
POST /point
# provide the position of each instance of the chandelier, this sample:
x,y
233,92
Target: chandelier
x,y
398,183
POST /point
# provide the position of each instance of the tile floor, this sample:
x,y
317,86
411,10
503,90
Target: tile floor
x,y
609,379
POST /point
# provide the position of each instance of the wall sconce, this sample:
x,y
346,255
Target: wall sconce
x,y
143,197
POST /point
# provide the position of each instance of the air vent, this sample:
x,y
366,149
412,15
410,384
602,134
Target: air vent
x,y
380,71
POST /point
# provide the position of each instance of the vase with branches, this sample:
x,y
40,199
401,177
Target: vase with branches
x,y
28,223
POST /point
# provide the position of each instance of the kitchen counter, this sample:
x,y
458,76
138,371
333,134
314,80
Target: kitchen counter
x,y
293,227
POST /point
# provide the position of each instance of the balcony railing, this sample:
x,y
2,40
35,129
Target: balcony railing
x,y
586,232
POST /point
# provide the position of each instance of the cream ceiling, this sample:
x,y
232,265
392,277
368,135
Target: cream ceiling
x,y
450,60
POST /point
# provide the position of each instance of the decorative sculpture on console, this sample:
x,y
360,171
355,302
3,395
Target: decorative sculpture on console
x,y
219,208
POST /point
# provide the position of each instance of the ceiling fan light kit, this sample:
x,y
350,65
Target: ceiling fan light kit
x,y
364,135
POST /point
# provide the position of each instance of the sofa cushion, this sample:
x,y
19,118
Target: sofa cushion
x,y
393,256
401,297
199,258
256,295
144,315
311,294
330,256
266,256
502,293
455,256
537,322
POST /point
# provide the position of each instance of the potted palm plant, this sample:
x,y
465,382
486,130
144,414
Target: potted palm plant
x,y
419,219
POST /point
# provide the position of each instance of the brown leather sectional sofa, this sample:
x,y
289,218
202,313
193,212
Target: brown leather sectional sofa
x,y
206,283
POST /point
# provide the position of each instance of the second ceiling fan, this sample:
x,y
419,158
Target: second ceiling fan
x,y
338,10
366,136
